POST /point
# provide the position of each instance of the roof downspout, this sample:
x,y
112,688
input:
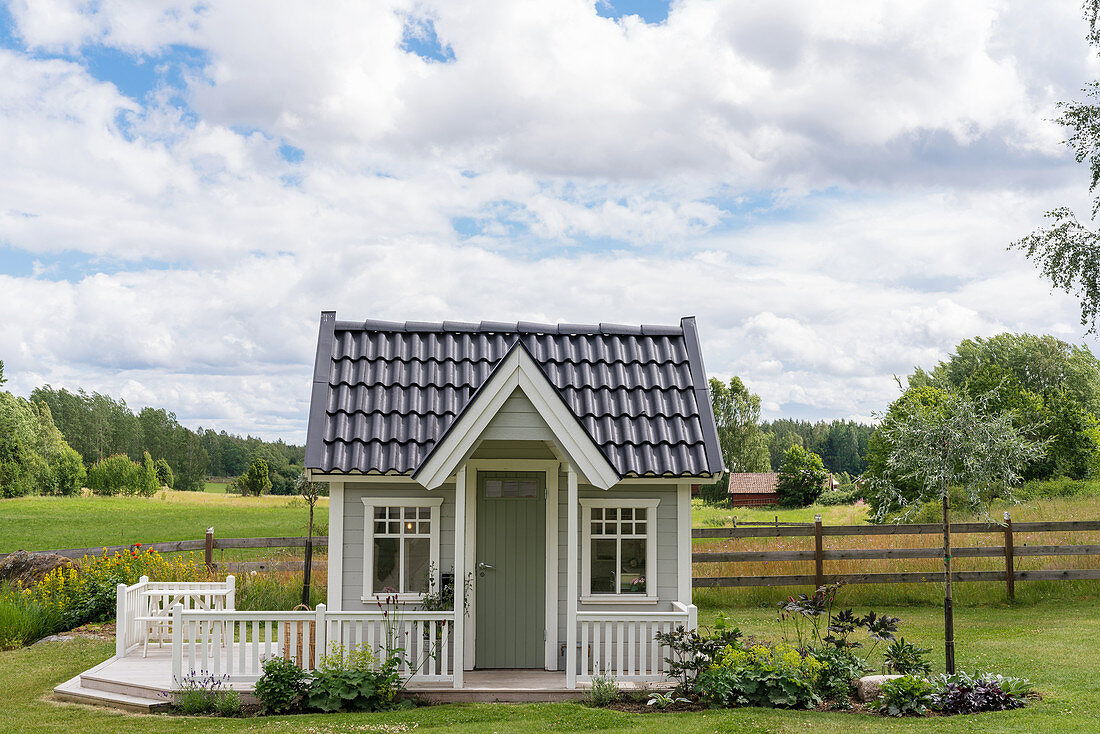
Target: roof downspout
x,y
319,394
715,462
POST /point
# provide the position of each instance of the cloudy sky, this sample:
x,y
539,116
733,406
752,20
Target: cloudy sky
x,y
828,187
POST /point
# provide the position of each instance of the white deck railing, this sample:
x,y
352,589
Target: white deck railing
x,y
624,645
143,609
236,644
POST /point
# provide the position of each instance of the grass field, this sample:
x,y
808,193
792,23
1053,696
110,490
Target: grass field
x,y
1052,644
42,523
216,487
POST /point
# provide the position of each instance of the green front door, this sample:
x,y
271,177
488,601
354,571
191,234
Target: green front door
x,y
510,568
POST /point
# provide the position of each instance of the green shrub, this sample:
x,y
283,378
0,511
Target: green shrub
x,y
604,691
228,704
905,696
147,477
355,681
777,677
282,686
832,497
905,658
68,473
839,667
114,475
255,481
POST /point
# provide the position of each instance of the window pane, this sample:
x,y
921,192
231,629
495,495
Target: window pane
x,y
395,527
385,565
410,513
380,527
597,513
597,528
626,528
395,513
528,488
611,513
632,568
492,488
626,513
510,488
603,566
639,513
425,528
639,528
417,552
380,513
425,513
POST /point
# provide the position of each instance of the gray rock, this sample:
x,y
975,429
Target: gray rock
x,y
869,687
27,569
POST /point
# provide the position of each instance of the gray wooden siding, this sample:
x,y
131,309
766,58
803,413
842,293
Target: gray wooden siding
x,y
666,549
517,420
499,449
354,492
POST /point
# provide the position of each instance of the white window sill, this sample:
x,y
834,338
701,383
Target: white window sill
x,y
383,599
619,599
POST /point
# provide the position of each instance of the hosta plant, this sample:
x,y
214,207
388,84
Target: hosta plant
x,y
905,696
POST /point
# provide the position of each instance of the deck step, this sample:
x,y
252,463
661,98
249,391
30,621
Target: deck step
x,y
97,682
72,690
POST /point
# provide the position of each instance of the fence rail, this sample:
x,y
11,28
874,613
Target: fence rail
x,y
207,544
1009,551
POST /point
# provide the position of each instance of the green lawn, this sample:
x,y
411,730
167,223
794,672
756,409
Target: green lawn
x,y
1054,645
217,487
43,523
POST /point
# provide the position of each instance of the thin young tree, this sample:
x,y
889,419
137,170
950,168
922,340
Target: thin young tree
x,y
310,492
955,442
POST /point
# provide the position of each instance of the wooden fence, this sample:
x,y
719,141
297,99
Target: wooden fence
x,y
208,545
1009,551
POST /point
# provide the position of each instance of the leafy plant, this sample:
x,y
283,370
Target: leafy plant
x,y
967,694
664,700
839,667
904,658
281,686
905,696
355,680
761,676
691,652
228,704
604,690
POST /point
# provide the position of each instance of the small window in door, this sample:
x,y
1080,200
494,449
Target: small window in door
x,y
510,485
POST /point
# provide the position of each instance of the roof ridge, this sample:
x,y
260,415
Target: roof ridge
x,y
517,327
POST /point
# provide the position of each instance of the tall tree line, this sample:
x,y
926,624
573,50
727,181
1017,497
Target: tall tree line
x,y
98,426
841,444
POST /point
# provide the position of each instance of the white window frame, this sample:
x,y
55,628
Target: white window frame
x,y
650,596
369,503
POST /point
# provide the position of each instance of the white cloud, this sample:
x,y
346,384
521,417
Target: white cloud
x,y
894,150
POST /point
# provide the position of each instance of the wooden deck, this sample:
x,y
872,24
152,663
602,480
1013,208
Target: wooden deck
x,y
138,683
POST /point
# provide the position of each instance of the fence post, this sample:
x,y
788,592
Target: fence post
x,y
121,623
319,643
210,550
819,554
177,645
231,595
1010,571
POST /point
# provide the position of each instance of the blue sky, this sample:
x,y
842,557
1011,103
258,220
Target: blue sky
x,y
829,189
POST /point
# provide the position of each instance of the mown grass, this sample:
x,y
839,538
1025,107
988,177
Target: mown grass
x,y
217,487
45,523
1052,645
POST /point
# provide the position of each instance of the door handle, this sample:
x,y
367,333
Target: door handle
x,y
482,566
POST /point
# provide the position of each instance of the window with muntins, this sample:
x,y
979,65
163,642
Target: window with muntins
x,y
402,545
619,551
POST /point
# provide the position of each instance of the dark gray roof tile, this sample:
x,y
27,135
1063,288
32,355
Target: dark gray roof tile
x,y
393,389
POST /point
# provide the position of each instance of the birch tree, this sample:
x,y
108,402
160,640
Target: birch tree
x,y
954,443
